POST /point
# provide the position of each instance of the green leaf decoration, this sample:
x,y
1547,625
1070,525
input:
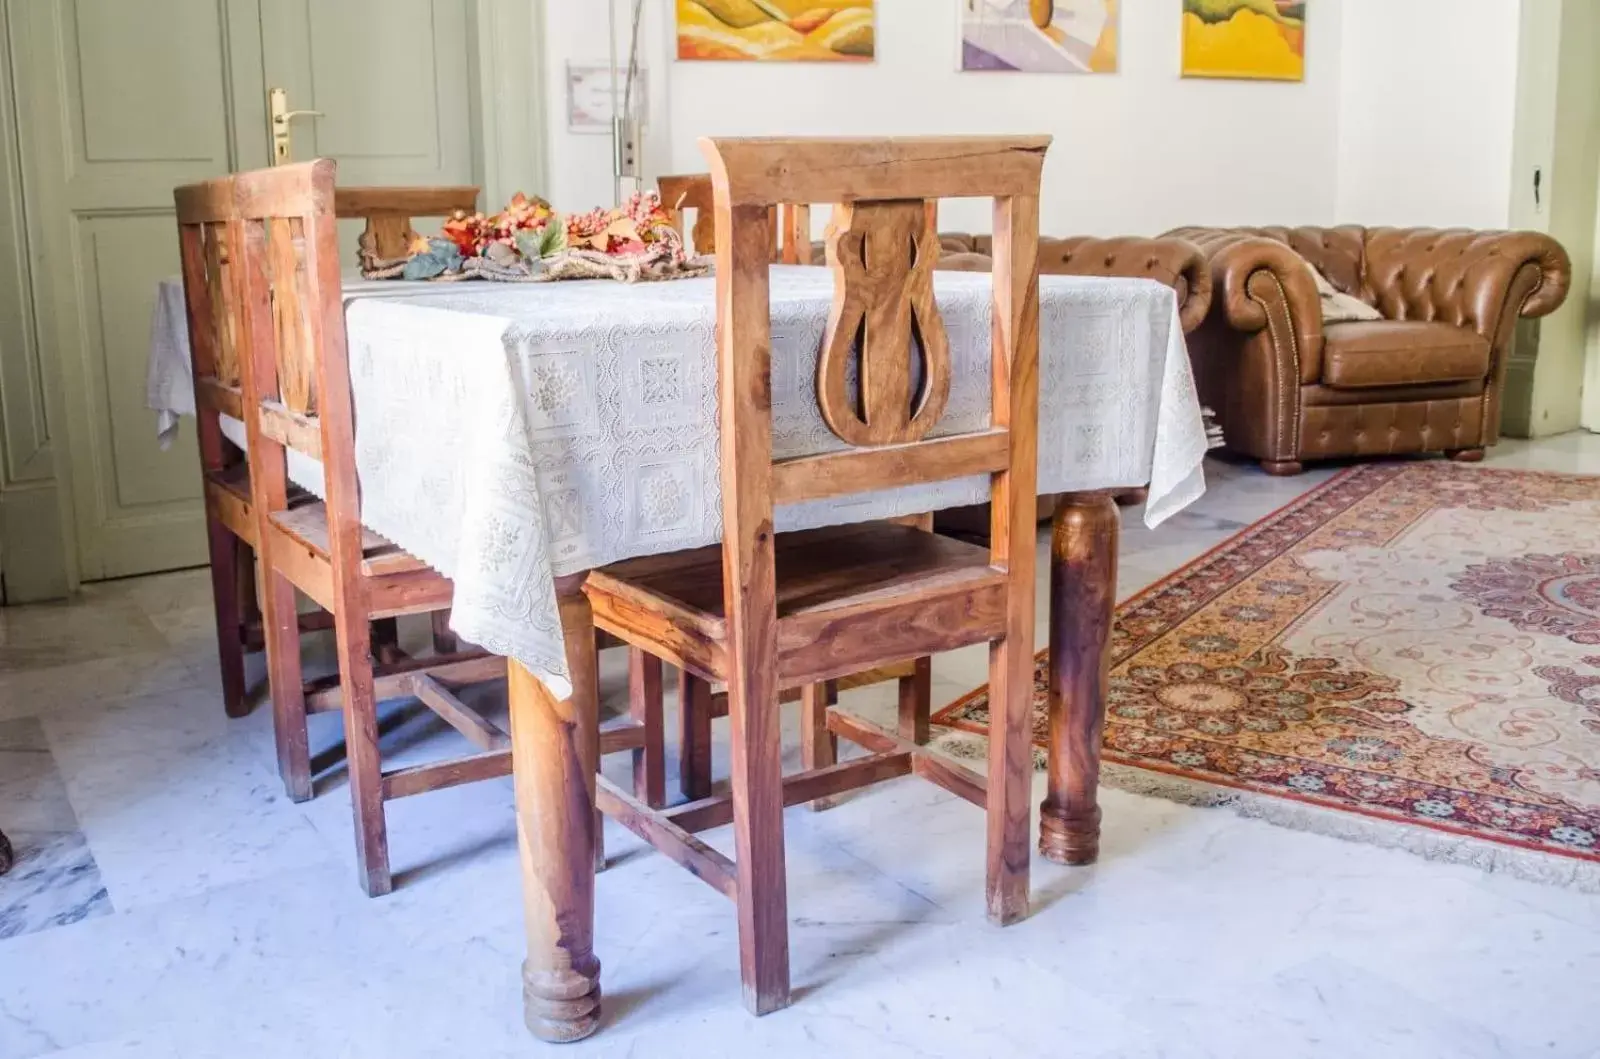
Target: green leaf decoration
x,y
426,266
553,239
546,242
447,251
528,245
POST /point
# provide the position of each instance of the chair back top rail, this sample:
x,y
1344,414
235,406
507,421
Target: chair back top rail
x,y
771,171
790,222
406,201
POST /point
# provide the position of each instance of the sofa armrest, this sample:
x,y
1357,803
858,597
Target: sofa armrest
x,y
1260,284
1478,279
1174,262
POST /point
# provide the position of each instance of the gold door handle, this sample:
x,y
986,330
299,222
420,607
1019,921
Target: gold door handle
x,y
280,116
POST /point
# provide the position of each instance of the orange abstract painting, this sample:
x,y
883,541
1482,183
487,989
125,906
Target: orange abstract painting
x,y
1254,39
777,30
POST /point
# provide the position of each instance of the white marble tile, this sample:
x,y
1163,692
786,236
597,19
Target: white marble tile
x,y
174,800
54,883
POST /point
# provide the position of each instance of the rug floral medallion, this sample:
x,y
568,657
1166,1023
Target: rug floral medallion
x,y
1418,642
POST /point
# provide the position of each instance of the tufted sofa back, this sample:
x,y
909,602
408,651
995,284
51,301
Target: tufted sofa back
x,y
1455,276
1338,253
1173,262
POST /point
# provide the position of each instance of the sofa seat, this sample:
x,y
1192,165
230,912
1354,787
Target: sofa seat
x,y
1379,354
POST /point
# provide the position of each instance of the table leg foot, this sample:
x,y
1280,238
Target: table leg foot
x,y
1068,838
561,1005
1083,596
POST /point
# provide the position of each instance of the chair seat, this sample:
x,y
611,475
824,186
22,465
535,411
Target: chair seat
x,y
230,500
308,524
848,598
1385,353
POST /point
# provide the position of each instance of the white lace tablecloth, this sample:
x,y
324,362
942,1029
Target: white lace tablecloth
x,y
508,435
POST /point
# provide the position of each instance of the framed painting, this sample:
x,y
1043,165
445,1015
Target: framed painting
x,y
1262,40
1039,36
777,30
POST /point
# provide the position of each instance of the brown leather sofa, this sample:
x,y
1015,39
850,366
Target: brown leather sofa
x,y
1425,378
1175,262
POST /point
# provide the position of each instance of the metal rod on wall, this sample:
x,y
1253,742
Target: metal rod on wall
x,y
626,130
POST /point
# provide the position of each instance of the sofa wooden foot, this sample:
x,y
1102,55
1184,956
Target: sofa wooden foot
x,y
1465,455
1282,468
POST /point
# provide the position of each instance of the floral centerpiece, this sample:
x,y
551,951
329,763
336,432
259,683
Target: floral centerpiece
x,y
528,241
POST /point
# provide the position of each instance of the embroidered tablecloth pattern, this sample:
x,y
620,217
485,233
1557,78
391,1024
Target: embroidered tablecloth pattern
x,y
507,435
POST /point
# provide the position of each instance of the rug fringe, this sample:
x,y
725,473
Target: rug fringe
x,y
1483,854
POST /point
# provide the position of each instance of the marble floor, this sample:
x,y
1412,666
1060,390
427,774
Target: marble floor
x,y
170,902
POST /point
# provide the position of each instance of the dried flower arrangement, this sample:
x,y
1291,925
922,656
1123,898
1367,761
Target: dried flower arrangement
x,y
529,242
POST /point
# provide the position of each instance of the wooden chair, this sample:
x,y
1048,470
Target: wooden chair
x,y
230,523
698,703
765,611
282,306
790,222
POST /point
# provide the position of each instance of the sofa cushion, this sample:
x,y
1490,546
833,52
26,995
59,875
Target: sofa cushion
x,y
1358,356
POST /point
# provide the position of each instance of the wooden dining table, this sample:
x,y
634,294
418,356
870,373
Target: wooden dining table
x,y
517,436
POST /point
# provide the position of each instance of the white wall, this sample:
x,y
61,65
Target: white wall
x,y
1405,115
580,165
1427,111
1138,151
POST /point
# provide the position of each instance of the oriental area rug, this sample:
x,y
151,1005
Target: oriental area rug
x,y
1407,655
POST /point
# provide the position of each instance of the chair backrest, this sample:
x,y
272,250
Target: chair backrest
x,y
389,213
284,251
790,222
207,244
883,253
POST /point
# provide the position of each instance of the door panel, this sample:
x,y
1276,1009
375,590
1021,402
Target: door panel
x,y
391,78
126,103
170,119
123,253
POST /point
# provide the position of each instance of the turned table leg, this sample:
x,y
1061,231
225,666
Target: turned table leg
x,y
1083,596
555,752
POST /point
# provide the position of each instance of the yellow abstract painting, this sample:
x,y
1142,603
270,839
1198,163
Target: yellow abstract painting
x,y
1255,39
777,30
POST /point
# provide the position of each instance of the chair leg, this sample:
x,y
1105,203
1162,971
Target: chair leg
x,y
362,758
280,631
444,641
694,727
1466,455
916,702
819,748
761,895
645,704
225,551
1282,468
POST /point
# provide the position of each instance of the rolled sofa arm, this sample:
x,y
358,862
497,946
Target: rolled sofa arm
x,y
1177,263
1259,283
1478,279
